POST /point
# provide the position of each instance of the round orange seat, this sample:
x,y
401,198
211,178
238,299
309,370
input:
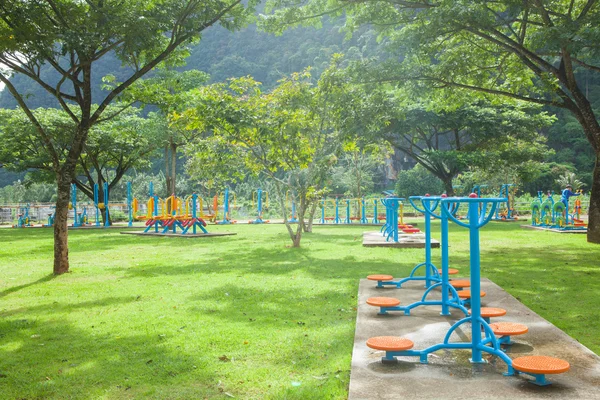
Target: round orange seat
x,y
491,312
459,284
466,294
380,277
508,328
540,365
383,301
451,271
390,343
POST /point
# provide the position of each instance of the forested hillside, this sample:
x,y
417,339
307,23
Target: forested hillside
x,y
224,54
268,58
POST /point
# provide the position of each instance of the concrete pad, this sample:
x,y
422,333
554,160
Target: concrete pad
x,y
541,228
187,235
405,241
449,374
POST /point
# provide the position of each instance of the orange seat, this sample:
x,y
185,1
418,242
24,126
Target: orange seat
x,y
466,294
459,284
383,301
390,343
508,328
451,271
540,365
490,312
380,277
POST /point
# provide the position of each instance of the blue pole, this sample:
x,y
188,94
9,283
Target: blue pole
x,y
475,282
337,211
347,211
445,261
129,205
74,204
96,204
107,221
226,207
323,211
427,247
259,200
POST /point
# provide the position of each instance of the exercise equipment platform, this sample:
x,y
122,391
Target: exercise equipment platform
x,y
405,241
449,374
555,230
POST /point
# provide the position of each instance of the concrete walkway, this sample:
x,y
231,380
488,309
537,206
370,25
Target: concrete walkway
x,y
449,374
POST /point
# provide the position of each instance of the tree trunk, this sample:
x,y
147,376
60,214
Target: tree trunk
x,y
593,235
61,245
308,226
448,187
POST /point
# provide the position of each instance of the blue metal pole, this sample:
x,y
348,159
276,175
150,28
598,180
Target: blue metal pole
x,y
129,205
427,245
259,196
445,261
74,204
226,206
107,221
347,212
96,204
337,211
323,211
476,356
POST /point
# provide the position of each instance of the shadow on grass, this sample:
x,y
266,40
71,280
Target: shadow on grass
x,y
61,361
14,289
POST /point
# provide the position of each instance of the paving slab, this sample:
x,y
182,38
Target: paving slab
x,y
541,228
187,235
449,374
405,241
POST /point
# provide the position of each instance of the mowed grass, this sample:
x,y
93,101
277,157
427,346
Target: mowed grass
x,y
243,316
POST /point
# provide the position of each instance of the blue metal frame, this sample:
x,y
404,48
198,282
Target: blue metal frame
x,y
259,219
226,217
478,345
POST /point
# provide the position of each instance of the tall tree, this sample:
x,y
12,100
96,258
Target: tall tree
x,y
167,92
113,147
529,50
72,37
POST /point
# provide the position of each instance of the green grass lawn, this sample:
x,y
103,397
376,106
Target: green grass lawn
x,y
244,316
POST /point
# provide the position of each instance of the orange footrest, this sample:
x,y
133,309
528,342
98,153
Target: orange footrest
x,y
390,343
540,365
491,312
466,294
383,302
459,284
411,230
380,277
508,328
451,271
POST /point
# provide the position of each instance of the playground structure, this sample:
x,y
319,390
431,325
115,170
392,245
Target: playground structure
x,y
364,211
550,214
486,337
172,215
257,201
23,219
226,208
506,210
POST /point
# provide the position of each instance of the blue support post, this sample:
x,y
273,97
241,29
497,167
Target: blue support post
x,y
129,205
337,219
106,213
74,205
363,217
347,220
97,217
